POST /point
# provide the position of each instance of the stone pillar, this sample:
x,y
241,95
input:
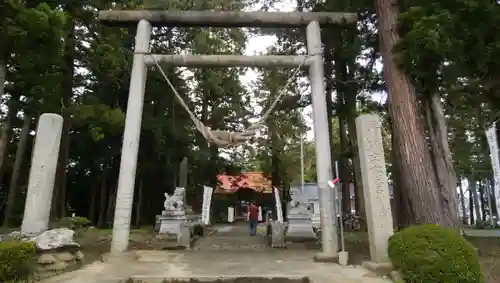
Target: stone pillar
x,y
184,236
131,137
323,163
42,174
375,185
279,209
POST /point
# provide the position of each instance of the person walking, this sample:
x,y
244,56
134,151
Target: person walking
x,y
253,218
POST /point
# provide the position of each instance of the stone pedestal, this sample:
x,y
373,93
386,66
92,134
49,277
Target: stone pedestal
x,y
170,223
375,186
299,218
278,234
300,225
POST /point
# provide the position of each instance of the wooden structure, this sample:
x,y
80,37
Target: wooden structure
x,y
237,191
255,181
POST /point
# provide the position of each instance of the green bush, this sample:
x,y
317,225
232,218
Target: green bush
x,y
17,260
74,223
432,254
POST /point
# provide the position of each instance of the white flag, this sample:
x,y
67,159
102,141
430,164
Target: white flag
x,y
205,207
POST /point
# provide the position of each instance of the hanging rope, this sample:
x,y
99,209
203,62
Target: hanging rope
x,y
229,138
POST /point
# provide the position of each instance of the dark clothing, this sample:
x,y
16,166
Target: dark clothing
x,y
252,229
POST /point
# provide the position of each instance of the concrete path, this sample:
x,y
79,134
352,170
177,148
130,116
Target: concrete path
x,y
482,232
233,238
229,253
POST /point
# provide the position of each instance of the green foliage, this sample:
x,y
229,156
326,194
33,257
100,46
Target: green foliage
x,y
432,254
16,260
74,223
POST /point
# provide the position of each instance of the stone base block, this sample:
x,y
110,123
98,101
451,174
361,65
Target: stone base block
x,y
170,224
58,260
378,267
324,257
343,258
278,235
300,227
396,277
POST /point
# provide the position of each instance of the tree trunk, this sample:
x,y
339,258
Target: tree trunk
x,y
111,206
343,166
3,75
420,185
7,124
341,87
359,202
491,191
6,129
93,200
441,155
493,208
351,114
400,210
475,200
462,201
67,92
138,207
16,171
471,206
482,200
6,133
102,198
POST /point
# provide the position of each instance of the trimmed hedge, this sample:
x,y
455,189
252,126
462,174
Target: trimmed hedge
x,y
74,223
17,260
433,254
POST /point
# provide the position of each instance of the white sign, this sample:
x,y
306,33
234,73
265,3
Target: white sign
x,y
205,208
279,209
230,214
491,135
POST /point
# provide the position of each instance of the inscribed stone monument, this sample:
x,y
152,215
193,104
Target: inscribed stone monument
x,y
42,174
375,185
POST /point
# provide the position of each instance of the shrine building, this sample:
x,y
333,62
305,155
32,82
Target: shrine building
x,y
233,193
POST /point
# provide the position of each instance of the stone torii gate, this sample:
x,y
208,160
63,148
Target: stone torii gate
x,y
228,19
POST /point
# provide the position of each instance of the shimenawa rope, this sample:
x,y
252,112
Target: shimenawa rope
x,y
229,138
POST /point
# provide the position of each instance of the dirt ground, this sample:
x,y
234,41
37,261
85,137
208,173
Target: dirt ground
x,y
489,255
96,242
